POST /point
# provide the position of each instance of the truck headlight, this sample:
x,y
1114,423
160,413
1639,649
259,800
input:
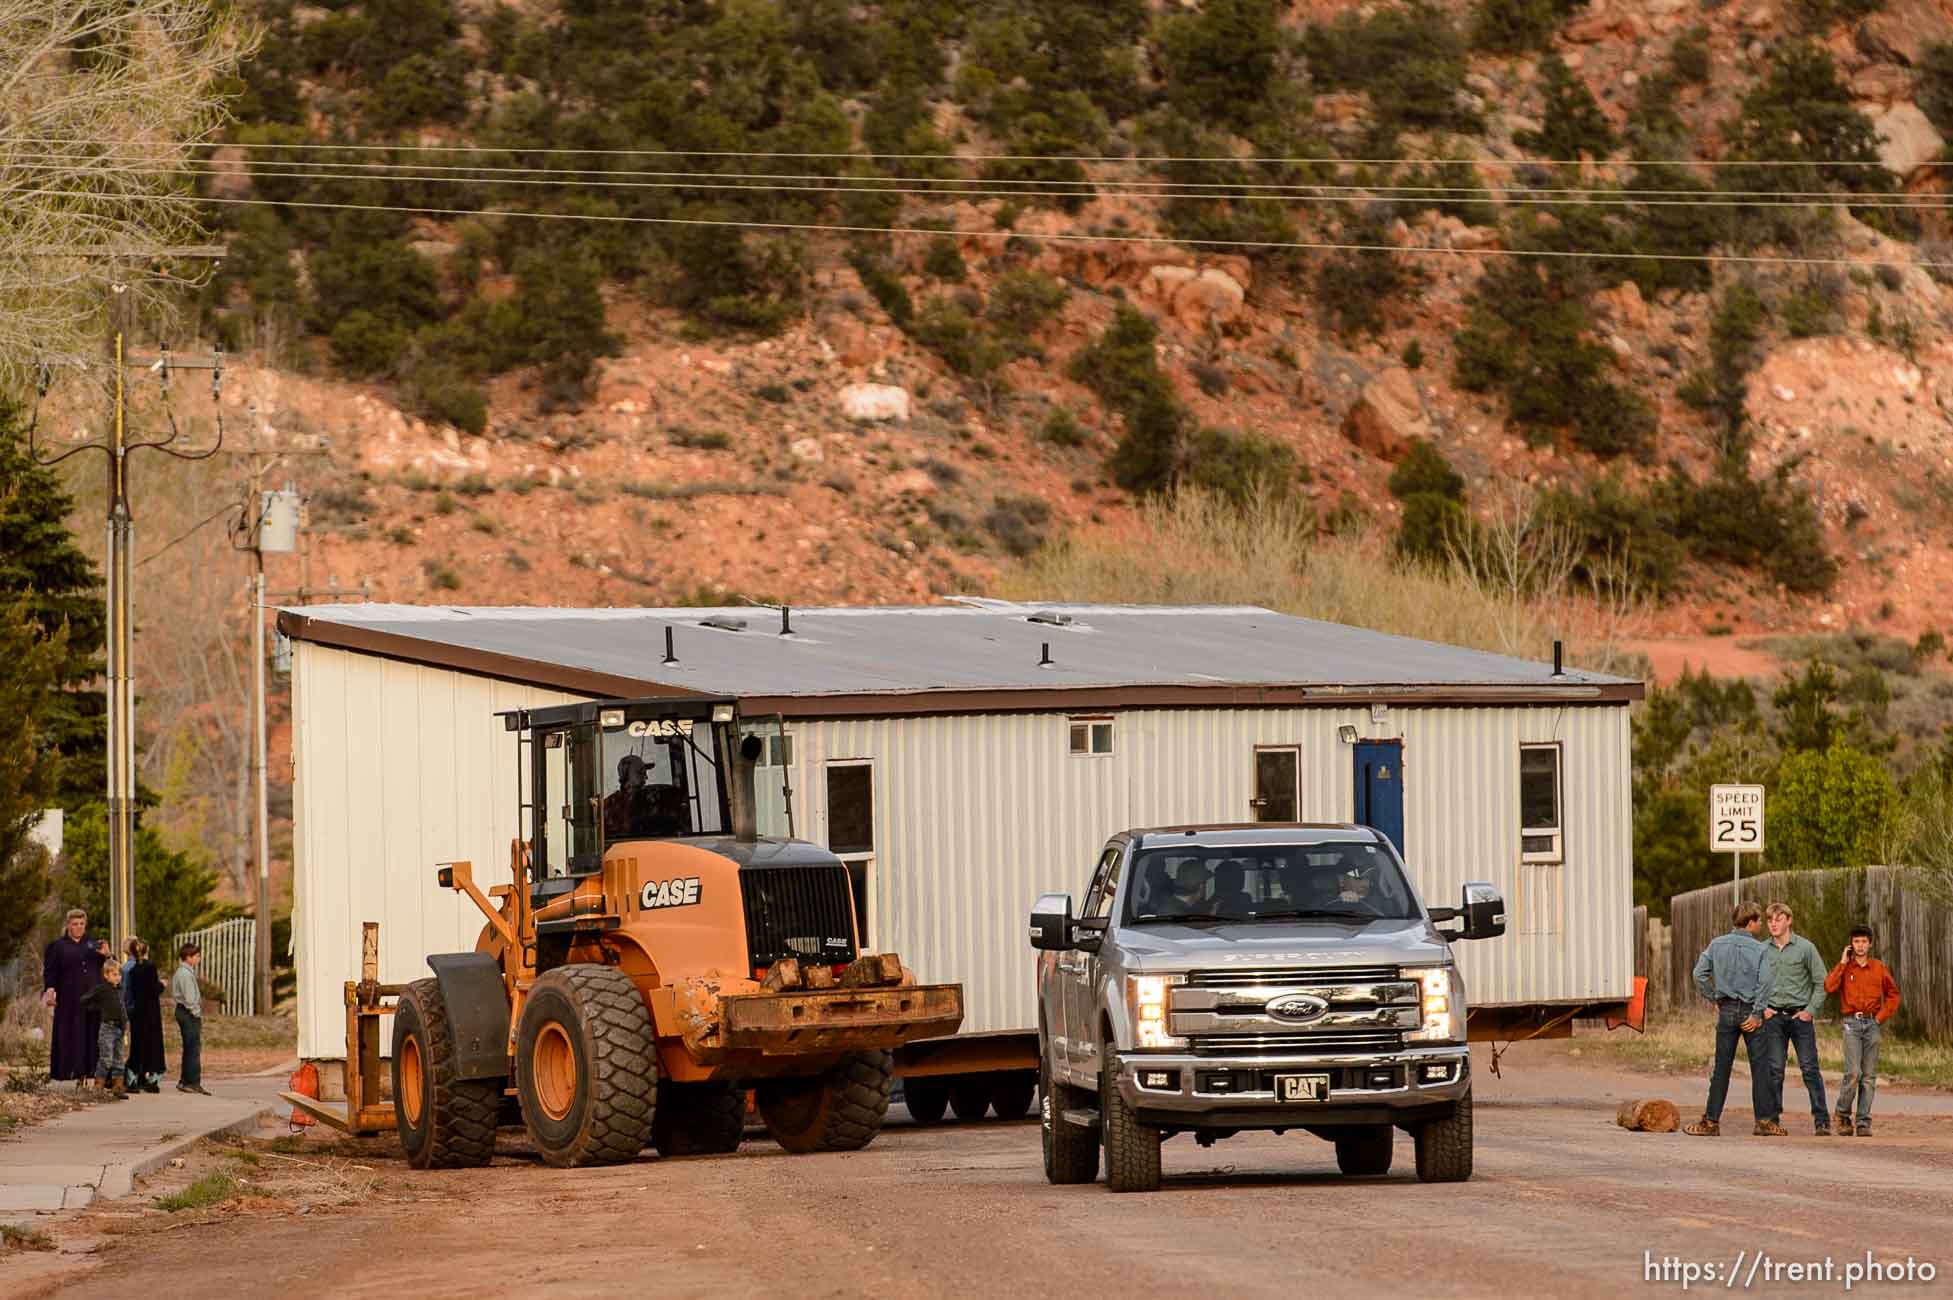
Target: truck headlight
x,y
1151,1000
1442,1004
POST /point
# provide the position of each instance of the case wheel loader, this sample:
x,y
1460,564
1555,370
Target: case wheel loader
x,y
651,962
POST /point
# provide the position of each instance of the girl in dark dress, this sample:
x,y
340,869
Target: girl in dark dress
x,y
145,1021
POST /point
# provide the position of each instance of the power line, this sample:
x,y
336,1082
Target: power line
x,y
187,533
869,155
1745,259
760,183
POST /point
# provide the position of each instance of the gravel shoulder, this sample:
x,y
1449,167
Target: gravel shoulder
x,y
1563,1203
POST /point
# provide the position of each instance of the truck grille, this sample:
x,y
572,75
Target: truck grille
x,y
1324,1042
801,912
1290,976
1364,1009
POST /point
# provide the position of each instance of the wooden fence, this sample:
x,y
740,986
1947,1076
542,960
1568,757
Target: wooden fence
x,y
1652,962
1912,934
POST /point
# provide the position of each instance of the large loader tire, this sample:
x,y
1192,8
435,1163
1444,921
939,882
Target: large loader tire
x,y
1132,1149
444,1122
840,1110
1444,1146
698,1119
586,1067
1071,1151
926,1099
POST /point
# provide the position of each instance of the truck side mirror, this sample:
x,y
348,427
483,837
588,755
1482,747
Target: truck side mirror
x,y
1484,911
1051,923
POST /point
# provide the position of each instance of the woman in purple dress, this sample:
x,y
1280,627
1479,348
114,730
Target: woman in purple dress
x,y
71,966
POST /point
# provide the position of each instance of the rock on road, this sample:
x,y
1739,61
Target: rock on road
x,y
1563,1203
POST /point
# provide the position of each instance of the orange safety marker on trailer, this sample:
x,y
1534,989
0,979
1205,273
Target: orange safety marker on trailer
x,y
1636,1008
304,1081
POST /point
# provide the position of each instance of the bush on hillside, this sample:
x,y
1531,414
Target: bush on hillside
x,y
1516,26
883,284
1433,527
1934,93
1241,467
1218,59
1803,111
1147,456
1528,337
1356,289
1411,61
1425,470
727,279
1571,121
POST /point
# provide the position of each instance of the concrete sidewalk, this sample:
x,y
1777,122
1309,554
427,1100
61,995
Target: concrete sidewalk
x,y
98,1152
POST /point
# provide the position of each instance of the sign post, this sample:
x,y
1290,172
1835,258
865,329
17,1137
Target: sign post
x,y
1736,824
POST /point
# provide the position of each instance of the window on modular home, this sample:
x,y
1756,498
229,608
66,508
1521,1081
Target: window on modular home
x,y
1091,736
1541,838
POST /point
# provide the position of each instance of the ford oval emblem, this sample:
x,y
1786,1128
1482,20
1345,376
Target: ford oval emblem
x,y
1296,1006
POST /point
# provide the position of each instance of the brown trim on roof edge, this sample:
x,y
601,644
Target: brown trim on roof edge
x,y
1007,699
483,663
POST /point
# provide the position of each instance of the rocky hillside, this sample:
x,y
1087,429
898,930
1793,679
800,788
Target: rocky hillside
x,y
632,411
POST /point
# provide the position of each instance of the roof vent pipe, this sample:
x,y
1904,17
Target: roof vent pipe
x,y
1044,655
671,655
786,620
1558,659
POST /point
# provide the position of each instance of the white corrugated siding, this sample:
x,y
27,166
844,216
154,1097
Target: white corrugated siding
x,y
395,767
399,767
976,815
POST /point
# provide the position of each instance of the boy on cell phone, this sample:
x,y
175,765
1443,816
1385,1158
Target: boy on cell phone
x,y
1867,998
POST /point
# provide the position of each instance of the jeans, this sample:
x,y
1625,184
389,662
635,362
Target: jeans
x,y
1779,1032
108,1051
1730,1015
189,1072
1860,1067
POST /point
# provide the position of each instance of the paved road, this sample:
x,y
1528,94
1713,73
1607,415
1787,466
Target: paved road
x,y
1564,1203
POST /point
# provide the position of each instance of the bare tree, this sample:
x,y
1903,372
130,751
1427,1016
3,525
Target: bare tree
x,y
101,105
1516,556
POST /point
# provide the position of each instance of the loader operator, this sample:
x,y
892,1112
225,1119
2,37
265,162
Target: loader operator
x,y
639,809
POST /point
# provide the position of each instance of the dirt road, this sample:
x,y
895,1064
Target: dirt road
x,y
1563,1203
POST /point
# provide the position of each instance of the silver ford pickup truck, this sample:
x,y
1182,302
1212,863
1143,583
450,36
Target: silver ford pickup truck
x,y
1223,978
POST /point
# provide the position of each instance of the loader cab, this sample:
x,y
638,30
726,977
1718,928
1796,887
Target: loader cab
x,y
597,773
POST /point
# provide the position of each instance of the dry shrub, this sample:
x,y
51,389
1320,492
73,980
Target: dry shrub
x,y
1195,548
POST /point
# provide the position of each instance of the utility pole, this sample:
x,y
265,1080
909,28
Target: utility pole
x,y
117,449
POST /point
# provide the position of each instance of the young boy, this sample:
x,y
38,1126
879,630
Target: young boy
x,y
1867,998
105,1000
189,1018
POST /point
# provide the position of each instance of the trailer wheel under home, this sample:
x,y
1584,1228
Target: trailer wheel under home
x,y
962,759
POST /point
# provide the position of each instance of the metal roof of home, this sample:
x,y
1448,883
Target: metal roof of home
x,y
976,655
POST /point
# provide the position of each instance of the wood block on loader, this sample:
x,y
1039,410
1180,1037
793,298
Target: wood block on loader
x,y
1651,1116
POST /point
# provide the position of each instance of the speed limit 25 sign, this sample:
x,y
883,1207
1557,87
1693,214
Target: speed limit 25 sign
x,y
1736,819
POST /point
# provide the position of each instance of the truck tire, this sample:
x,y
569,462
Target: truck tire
x,y
926,1098
969,1097
1011,1094
586,1067
1132,1149
840,1110
698,1119
443,1122
1444,1146
1071,1153
1364,1152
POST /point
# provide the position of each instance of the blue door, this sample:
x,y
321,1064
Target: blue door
x,y
1380,787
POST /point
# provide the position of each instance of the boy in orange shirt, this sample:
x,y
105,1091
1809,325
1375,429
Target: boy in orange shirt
x,y
1867,997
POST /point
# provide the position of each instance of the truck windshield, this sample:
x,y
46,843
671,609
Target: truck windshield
x,y
1267,882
